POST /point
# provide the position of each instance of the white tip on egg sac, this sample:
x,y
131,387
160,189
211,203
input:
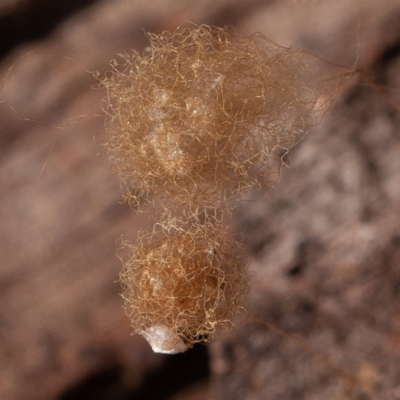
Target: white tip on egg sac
x,y
163,340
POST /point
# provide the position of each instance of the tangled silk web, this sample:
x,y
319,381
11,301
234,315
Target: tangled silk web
x,y
206,113
182,285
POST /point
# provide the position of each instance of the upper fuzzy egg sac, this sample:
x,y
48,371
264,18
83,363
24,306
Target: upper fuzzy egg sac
x,y
207,112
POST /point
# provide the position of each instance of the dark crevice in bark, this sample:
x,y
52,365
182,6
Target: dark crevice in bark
x,y
33,20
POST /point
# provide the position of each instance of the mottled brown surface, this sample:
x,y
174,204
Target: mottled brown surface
x,y
325,242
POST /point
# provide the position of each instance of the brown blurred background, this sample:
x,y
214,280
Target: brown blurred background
x,y
324,243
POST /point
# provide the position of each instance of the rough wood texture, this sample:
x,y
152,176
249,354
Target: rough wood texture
x,y
325,242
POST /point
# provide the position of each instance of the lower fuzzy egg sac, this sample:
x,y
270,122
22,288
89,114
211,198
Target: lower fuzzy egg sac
x,y
183,287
